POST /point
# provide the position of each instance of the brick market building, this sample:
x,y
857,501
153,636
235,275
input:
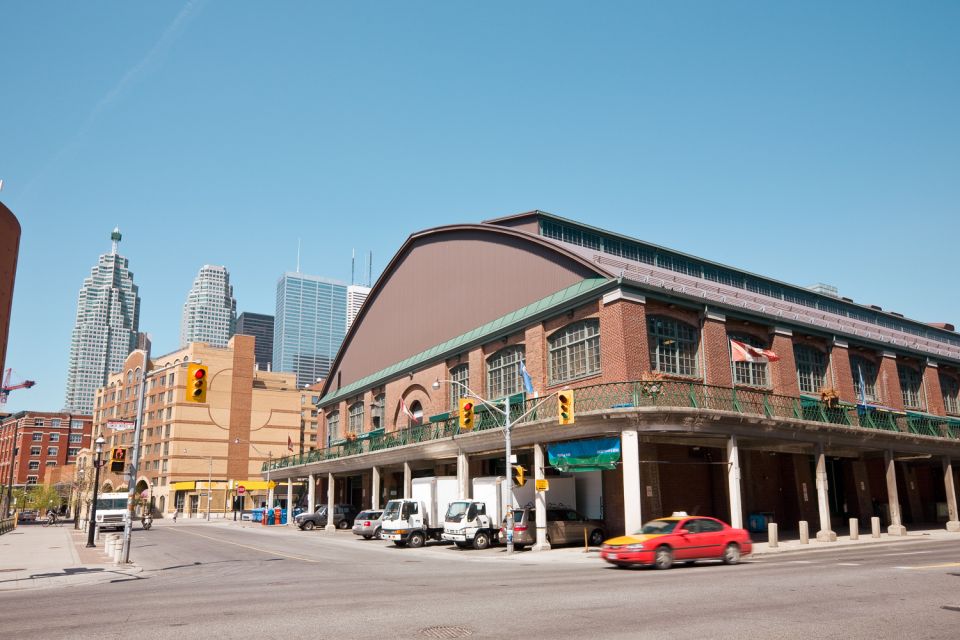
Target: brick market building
x,y
837,410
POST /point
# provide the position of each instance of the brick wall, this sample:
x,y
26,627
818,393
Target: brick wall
x,y
888,383
842,374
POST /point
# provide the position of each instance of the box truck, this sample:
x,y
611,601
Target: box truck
x,y
414,520
476,522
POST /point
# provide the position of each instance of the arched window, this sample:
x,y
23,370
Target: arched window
x,y
333,426
417,410
673,346
910,386
355,419
574,351
129,376
951,393
811,368
749,373
377,411
864,374
460,377
503,372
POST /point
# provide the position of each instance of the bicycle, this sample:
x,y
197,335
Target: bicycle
x,y
51,519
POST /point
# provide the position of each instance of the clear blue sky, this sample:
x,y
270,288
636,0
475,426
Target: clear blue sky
x,y
811,142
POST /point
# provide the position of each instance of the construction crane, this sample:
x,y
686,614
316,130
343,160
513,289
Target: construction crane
x,y
7,387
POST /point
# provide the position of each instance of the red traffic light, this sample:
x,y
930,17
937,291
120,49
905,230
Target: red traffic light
x,y
199,373
468,406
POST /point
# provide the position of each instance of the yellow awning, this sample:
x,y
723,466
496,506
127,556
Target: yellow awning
x,y
183,486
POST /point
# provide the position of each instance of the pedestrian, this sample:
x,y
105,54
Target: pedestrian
x,y
175,512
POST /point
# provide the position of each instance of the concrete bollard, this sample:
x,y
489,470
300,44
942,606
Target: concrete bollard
x,y
772,535
854,529
804,532
118,551
874,527
96,534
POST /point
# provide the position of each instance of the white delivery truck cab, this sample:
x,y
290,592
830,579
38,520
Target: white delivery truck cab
x,y
414,520
476,522
112,510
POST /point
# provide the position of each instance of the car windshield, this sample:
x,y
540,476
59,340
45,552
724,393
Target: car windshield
x,y
111,503
658,526
456,511
392,510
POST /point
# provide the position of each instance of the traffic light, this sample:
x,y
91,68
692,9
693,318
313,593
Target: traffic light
x,y
466,414
565,406
196,383
519,475
118,459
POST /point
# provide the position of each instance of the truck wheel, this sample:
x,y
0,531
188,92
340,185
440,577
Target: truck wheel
x,y
343,524
596,538
416,540
308,525
481,541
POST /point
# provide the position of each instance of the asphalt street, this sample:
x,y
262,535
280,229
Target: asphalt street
x,y
222,581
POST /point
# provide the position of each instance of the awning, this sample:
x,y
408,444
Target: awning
x,y
601,454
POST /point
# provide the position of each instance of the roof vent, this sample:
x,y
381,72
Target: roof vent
x,y
825,289
873,306
943,325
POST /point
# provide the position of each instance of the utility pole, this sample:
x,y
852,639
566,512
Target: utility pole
x,y
135,459
209,482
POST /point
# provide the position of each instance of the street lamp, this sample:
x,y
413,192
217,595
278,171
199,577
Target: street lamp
x,y
76,503
96,481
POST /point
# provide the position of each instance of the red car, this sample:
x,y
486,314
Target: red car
x,y
679,538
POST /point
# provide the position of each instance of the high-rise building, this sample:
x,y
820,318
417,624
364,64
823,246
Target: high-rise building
x,y
309,326
108,317
356,294
210,312
260,326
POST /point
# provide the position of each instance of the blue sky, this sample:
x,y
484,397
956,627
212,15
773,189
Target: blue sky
x,y
811,142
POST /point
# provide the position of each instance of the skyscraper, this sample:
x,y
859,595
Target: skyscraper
x,y
260,326
108,317
310,324
210,312
356,295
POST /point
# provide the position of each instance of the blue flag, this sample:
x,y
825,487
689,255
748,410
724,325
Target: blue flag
x,y
527,382
863,387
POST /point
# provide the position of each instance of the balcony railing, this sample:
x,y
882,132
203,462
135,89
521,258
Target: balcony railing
x,y
660,393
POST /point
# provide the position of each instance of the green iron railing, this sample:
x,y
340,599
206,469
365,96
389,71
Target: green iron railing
x,y
632,395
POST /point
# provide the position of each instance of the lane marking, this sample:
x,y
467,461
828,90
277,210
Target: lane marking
x,y
246,546
848,564
945,565
908,553
801,562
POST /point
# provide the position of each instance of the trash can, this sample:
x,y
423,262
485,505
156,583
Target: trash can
x,y
269,517
283,516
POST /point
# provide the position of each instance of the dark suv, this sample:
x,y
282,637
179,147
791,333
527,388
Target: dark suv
x,y
343,515
564,526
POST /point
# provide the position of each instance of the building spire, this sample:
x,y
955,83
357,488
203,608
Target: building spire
x,y
115,237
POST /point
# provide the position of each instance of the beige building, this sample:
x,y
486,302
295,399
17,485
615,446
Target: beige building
x,y
249,417
310,438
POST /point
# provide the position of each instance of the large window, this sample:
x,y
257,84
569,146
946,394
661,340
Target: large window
x,y
811,368
460,379
378,410
865,370
355,420
951,393
673,346
333,426
503,372
750,373
910,386
575,351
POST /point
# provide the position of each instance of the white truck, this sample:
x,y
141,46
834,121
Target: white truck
x,y
112,511
414,520
476,522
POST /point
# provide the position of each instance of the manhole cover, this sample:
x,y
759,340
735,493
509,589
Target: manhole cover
x,y
445,632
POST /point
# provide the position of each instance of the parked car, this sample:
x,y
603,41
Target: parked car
x,y
367,524
343,515
564,526
27,515
681,538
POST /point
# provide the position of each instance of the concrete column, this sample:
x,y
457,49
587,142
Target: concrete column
x,y
733,483
290,502
953,522
463,476
331,525
375,490
896,527
630,456
541,501
311,493
407,480
825,534
270,496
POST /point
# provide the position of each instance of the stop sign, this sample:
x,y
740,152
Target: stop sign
x,y
240,490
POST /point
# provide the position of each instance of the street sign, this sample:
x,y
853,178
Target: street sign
x,y
543,485
120,425
240,490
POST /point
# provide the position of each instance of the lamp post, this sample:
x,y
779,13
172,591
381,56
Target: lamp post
x,y
96,481
81,472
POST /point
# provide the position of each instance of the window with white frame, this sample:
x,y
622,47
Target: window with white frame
x,y
76,437
503,372
37,436
72,451
35,451
33,465
574,351
950,388
910,386
673,346
377,412
38,422
31,479
333,426
55,423
460,379
54,437
52,451
750,373
865,370
811,368
355,418
76,424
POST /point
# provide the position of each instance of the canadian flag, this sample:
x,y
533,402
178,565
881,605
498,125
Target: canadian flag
x,y
403,406
743,352
289,443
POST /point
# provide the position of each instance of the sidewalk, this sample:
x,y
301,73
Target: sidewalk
x,y
33,557
792,541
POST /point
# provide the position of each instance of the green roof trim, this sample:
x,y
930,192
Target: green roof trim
x,y
571,296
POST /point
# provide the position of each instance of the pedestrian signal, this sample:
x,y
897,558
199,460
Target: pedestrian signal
x,y
118,459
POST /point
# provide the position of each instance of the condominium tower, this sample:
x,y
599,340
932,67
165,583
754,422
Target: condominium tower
x,y
210,312
356,295
108,317
260,326
310,323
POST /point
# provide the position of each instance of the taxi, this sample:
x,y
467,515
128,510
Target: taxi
x,y
678,538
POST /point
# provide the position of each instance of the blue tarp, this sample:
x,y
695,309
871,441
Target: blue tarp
x,y
585,455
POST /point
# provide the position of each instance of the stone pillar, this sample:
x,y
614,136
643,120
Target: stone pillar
x,y
953,522
840,371
896,528
463,476
541,501
375,489
825,534
290,502
407,480
888,381
630,456
913,491
331,525
311,493
733,483
270,494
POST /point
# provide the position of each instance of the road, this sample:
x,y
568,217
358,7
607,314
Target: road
x,y
221,581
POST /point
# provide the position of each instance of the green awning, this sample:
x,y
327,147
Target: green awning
x,y
601,454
